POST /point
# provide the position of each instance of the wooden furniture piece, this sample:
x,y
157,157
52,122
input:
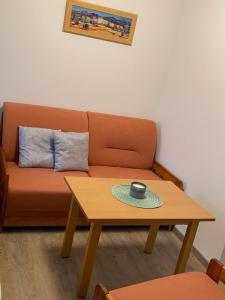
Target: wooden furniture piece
x,y
39,196
93,197
194,285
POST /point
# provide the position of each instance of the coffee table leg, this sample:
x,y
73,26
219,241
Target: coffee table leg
x,y
151,238
70,228
89,257
186,247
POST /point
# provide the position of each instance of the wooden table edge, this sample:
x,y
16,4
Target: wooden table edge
x,y
147,221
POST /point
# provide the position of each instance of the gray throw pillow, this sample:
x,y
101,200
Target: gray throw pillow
x,y
36,147
71,151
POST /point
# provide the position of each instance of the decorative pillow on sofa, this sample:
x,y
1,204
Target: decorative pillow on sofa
x,y
36,147
71,151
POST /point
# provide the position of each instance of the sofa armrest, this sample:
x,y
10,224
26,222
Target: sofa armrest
x,y
216,270
165,174
4,179
222,275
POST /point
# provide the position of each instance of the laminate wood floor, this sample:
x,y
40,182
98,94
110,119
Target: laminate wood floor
x,y
31,266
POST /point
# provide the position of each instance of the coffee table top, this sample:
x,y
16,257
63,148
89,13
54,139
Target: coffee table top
x,y
95,199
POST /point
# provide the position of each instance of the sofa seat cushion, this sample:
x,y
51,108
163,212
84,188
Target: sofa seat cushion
x,y
36,191
117,172
186,286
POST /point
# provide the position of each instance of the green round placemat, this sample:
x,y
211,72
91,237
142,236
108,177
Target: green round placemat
x,y
151,200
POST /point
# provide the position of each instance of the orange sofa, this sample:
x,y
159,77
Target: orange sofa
x,y
120,147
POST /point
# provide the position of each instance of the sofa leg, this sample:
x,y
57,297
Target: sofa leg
x,y
170,227
1,225
167,227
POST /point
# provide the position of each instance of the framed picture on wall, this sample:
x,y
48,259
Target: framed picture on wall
x,y
99,22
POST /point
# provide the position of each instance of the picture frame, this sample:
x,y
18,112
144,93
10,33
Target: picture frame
x,y
99,22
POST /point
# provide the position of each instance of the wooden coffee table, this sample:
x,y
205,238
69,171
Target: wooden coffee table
x,y
94,198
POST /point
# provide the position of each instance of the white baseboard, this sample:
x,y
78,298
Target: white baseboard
x,y
223,256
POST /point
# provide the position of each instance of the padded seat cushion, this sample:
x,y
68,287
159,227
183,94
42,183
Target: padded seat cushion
x,y
36,191
186,286
117,172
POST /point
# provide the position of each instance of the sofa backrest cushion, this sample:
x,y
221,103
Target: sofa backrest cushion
x,y
121,141
17,114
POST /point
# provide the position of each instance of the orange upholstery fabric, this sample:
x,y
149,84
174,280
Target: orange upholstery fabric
x,y
38,191
120,147
186,286
119,141
117,172
16,114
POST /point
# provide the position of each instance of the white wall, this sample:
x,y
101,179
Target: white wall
x,y
191,114
41,64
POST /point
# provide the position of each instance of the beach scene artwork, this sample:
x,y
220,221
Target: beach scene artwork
x,y
99,22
